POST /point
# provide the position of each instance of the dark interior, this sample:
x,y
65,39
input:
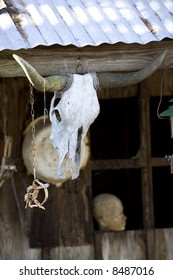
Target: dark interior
x,y
115,135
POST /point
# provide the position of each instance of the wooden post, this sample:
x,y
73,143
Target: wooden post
x,y
146,171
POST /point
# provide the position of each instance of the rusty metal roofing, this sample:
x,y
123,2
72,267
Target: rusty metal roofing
x,y
29,23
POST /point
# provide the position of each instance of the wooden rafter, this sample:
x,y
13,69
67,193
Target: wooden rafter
x,y
59,60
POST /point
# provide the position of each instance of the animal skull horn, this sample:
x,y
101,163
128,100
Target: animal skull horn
x,y
111,80
48,84
106,80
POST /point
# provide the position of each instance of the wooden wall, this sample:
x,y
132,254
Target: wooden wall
x,y
28,233
131,245
66,229
13,219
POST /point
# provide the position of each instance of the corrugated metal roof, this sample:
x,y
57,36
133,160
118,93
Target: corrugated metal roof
x,y
29,23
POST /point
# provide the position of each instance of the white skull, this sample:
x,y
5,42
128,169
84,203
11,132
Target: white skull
x,y
108,212
77,109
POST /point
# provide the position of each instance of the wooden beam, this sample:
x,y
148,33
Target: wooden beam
x,y
158,162
70,59
146,171
115,164
137,162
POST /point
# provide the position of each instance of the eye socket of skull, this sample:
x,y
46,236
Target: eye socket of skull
x,y
108,212
55,109
57,114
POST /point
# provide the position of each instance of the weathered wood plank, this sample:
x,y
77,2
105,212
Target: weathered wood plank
x,y
145,139
14,243
108,93
164,244
160,83
114,164
84,252
67,220
156,162
131,245
59,60
146,171
127,245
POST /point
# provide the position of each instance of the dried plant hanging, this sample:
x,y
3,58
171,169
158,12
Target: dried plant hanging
x,y
31,196
7,166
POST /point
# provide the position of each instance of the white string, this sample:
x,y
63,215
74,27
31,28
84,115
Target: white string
x,y
161,94
34,162
45,109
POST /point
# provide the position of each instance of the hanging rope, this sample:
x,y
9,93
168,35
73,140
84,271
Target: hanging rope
x,y
161,93
31,196
34,161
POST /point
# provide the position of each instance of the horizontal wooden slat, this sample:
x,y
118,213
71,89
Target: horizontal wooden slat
x,y
127,245
157,161
60,60
125,163
85,252
116,164
131,245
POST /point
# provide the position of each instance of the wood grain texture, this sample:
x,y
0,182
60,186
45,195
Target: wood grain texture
x,y
14,242
60,60
164,244
67,220
127,245
65,229
84,252
132,245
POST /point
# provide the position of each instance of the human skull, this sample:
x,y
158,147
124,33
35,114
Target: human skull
x,y
77,109
108,212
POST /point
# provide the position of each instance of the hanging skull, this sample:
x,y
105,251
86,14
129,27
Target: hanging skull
x,y
78,102
108,212
77,109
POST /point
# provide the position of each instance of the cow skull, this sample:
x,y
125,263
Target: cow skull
x,y
77,110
